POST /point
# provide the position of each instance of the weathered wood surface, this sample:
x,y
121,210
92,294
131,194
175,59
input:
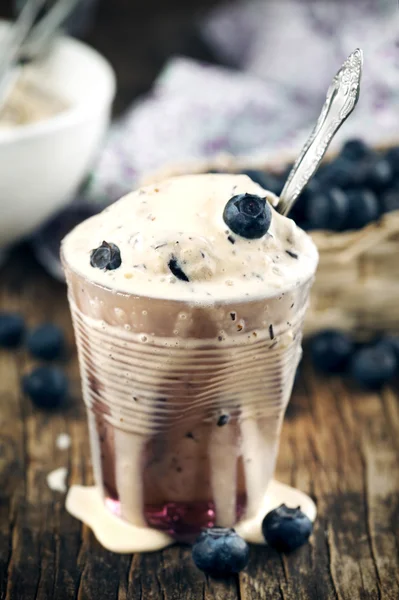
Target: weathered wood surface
x,y
339,445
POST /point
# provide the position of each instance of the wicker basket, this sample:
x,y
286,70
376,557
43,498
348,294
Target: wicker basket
x,y
357,283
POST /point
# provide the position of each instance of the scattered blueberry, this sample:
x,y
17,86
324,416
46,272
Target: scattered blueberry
x,y
248,216
389,200
328,210
219,551
363,208
106,257
47,387
176,269
286,529
374,366
355,150
392,341
331,351
46,342
12,329
273,183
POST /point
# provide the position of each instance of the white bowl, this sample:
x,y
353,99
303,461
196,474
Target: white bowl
x,y
43,163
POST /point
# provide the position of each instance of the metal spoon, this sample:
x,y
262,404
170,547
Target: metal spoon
x,y
15,37
45,31
28,40
342,97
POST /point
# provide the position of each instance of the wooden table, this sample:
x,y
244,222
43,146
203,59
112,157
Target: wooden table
x,y
339,445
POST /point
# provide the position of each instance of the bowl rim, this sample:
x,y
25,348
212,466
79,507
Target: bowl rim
x,y
79,111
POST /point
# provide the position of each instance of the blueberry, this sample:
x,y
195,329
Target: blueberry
x,y
355,150
392,341
339,173
331,351
47,387
389,200
46,342
176,269
299,212
248,216
106,257
374,366
12,329
269,182
219,551
363,208
286,529
392,157
328,210
378,174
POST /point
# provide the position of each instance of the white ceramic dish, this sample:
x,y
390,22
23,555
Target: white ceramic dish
x,y
43,163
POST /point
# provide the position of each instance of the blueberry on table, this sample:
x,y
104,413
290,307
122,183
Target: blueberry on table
x,y
219,551
355,150
328,210
47,387
12,329
286,529
46,342
273,183
374,366
363,208
392,341
106,257
248,215
331,351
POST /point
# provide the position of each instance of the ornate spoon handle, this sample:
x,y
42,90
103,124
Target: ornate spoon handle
x,y
342,97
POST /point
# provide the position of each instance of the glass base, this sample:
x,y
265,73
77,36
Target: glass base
x,y
117,535
181,520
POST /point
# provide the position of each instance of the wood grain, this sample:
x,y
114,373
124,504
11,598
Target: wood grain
x,y
338,444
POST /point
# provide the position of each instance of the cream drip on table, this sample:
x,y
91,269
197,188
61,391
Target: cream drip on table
x,y
56,480
116,535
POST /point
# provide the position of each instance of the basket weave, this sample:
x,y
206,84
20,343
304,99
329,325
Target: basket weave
x,y
357,282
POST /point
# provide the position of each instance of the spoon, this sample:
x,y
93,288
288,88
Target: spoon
x,y
15,37
29,40
342,97
45,31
